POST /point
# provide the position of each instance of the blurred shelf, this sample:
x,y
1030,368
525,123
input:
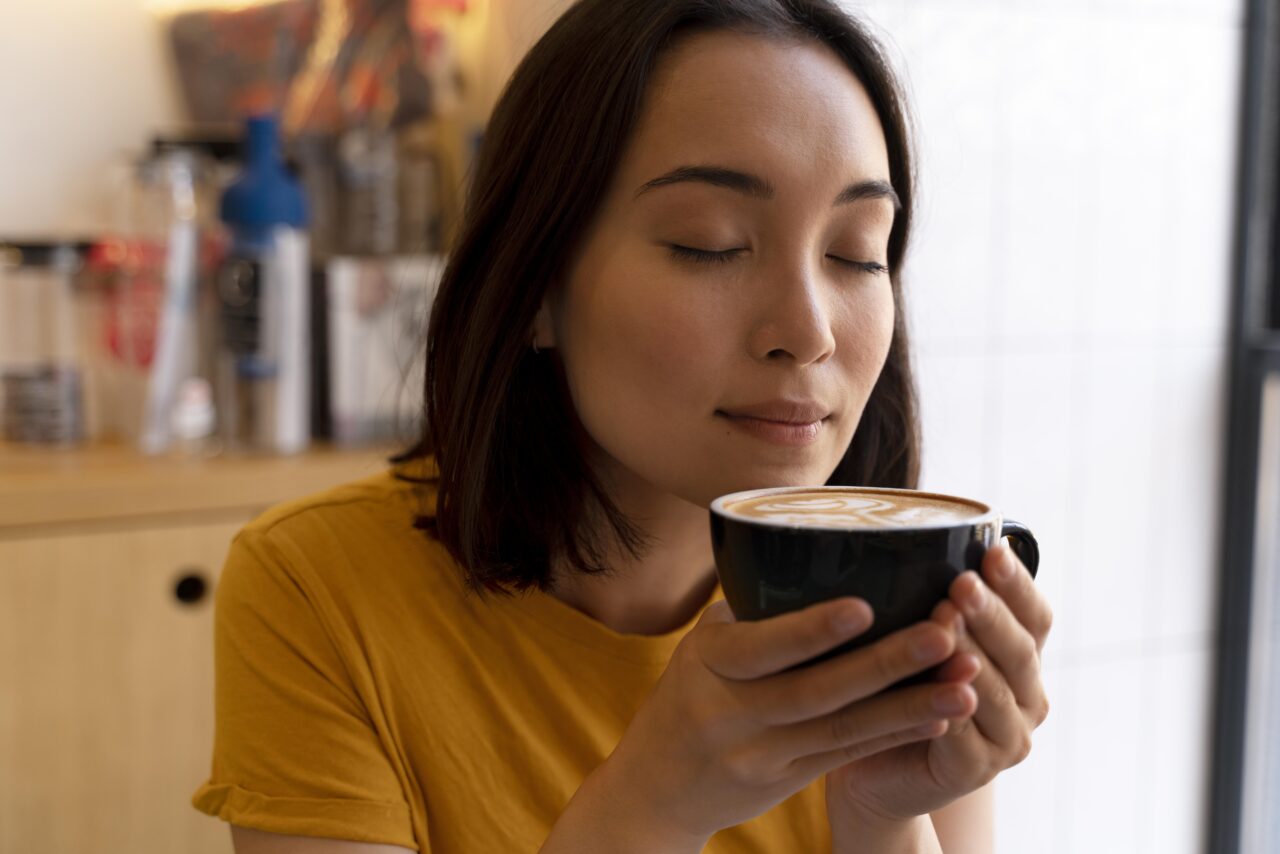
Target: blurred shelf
x,y
48,486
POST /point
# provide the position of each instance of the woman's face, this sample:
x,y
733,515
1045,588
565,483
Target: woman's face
x,y
660,344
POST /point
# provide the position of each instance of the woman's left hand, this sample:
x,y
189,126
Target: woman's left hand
x,y
1004,635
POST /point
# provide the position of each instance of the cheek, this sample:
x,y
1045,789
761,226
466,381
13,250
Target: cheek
x,y
677,346
649,351
864,333
869,323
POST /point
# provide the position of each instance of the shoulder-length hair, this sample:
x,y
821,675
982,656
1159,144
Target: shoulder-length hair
x,y
513,488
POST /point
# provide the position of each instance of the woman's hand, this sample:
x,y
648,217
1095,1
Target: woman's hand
x,y
1006,625
730,729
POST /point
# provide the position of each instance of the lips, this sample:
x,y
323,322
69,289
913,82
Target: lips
x,y
791,422
785,411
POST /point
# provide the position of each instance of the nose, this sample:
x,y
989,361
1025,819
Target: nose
x,y
794,321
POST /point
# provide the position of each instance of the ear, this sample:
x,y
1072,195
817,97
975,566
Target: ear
x,y
544,333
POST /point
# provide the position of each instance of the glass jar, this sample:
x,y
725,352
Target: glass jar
x,y
42,395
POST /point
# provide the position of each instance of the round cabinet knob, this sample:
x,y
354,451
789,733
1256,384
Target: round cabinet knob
x,y
191,587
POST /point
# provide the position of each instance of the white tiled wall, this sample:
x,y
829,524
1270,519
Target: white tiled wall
x,y
1068,291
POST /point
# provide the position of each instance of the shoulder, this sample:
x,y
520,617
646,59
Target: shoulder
x,y
394,497
350,532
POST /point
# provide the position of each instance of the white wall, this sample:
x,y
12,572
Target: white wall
x,y
81,82
1069,291
84,82
510,28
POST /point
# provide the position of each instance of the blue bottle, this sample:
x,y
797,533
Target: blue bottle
x,y
264,352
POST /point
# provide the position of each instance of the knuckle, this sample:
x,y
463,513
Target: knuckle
x,y
704,719
1027,655
1046,621
844,728
1001,694
855,750
1022,749
887,668
742,765
1042,713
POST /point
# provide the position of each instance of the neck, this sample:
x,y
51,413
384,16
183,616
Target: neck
x,y
666,586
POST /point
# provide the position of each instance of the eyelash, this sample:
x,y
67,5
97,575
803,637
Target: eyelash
x,y
705,256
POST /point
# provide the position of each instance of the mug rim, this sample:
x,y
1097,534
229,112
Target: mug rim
x,y
987,514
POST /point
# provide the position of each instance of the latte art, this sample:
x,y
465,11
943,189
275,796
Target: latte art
x,y
853,509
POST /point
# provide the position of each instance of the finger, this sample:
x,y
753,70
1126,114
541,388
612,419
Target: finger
x,y
947,615
873,718
751,649
1008,577
811,692
1003,639
999,720
961,667
717,612
807,767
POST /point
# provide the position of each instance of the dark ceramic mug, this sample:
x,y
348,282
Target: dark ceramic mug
x,y
769,567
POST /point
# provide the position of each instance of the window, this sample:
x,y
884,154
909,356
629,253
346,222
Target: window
x,y
1246,771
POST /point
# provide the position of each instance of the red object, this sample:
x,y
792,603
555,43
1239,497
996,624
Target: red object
x,y
134,298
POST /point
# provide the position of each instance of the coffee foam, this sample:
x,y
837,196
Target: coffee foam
x,y
851,509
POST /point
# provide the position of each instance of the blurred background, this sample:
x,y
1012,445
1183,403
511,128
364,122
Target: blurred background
x,y
1092,292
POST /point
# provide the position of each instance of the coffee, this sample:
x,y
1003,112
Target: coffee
x,y
845,510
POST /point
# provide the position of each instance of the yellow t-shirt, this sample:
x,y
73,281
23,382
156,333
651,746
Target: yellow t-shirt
x,y
363,693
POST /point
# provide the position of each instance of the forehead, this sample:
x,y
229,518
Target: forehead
x,y
789,106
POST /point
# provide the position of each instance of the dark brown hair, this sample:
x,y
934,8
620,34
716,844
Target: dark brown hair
x,y
514,490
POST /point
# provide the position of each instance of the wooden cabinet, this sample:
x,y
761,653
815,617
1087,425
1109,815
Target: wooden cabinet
x,y
108,565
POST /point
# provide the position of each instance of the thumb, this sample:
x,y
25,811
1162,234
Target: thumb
x,y
717,612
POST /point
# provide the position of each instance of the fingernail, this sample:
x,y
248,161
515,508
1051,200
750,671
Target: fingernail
x,y
977,597
850,619
1003,569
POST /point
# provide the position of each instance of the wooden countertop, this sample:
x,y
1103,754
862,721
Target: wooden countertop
x,y
42,486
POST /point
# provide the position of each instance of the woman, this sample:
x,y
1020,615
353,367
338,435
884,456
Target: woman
x,y
687,213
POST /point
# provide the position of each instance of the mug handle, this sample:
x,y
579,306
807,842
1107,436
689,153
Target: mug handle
x,y
1024,544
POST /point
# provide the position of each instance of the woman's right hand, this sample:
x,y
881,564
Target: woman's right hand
x,y
729,731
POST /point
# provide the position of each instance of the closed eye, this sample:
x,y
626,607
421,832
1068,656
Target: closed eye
x,y
865,266
710,256
703,256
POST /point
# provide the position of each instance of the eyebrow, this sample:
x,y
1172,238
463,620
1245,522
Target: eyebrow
x,y
758,188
